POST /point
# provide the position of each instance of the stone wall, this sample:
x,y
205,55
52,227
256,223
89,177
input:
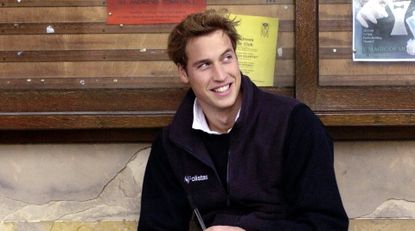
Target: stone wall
x,y
97,186
71,187
377,183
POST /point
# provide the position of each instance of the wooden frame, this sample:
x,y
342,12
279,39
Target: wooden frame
x,y
100,114
49,108
375,106
88,109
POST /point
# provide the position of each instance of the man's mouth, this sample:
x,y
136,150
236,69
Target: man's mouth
x,y
222,89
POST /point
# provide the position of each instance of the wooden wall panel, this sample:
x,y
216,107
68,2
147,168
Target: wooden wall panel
x,y
42,14
82,46
87,74
335,11
88,69
52,14
335,47
49,3
82,42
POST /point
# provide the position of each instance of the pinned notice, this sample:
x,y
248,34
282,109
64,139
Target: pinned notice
x,y
151,11
257,48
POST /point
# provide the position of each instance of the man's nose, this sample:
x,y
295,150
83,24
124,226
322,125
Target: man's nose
x,y
219,73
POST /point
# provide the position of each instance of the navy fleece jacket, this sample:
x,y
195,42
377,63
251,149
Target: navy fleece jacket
x,y
279,171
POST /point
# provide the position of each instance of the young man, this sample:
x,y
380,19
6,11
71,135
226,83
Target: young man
x,y
243,158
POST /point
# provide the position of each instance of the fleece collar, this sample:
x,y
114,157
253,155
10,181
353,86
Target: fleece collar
x,y
182,134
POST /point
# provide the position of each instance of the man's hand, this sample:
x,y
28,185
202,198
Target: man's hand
x,y
371,11
224,228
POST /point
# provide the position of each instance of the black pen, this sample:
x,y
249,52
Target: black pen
x,y
200,219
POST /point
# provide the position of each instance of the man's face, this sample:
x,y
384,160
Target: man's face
x,y
213,72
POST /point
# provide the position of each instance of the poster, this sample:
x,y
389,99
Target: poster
x,y
257,48
383,30
151,11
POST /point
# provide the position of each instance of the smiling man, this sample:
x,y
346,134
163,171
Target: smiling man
x,y
235,157
212,71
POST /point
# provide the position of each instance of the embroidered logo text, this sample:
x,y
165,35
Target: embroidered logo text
x,y
195,178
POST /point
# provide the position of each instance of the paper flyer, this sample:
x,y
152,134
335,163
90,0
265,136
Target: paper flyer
x,y
258,47
383,30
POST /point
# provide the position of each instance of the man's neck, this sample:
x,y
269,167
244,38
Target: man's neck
x,y
223,120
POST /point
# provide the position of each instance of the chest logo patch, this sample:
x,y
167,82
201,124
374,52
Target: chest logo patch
x,y
195,178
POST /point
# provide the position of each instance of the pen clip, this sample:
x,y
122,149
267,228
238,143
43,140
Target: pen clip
x,y
199,218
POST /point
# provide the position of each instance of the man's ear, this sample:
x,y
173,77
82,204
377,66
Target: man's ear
x,y
182,74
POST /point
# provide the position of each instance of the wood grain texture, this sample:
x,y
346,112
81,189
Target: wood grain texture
x,y
88,76
97,41
100,13
385,119
77,3
142,54
71,135
100,28
306,44
87,69
343,93
374,99
335,11
347,66
116,101
82,42
103,69
83,28
52,3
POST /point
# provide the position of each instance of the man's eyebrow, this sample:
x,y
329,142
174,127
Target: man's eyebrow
x,y
197,63
226,51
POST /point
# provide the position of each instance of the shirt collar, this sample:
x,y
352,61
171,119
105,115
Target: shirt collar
x,y
199,120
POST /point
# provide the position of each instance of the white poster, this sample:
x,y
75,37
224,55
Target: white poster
x,y
383,30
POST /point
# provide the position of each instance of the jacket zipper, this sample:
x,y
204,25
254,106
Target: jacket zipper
x,y
228,199
214,170
227,189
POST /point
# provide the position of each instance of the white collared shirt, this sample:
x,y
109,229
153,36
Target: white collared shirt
x,y
199,120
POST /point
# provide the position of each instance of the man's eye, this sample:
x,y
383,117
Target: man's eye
x,y
203,66
227,58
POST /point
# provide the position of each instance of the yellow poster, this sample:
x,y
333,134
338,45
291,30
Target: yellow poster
x,y
257,48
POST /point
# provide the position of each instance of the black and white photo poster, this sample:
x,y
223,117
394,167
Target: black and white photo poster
x,y
383,30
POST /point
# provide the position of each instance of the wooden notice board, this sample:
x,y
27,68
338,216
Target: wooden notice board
x,y
371,98
67,75
65,71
